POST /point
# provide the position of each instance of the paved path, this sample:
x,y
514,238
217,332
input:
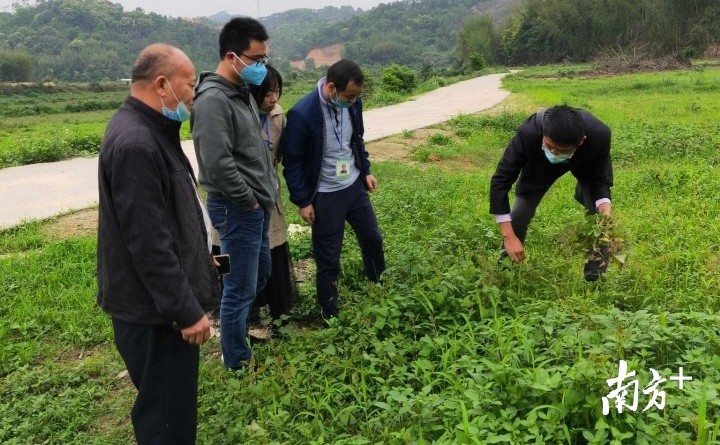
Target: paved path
x,y
42,190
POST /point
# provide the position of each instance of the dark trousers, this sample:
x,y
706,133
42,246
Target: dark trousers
x,y
524,208
331,211
164,369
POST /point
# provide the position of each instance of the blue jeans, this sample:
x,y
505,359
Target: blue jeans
x,y
243,236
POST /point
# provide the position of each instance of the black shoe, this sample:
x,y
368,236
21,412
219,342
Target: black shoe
x,y
257,340
254,315
596,263
503,263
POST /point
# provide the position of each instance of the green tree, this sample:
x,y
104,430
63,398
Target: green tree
x,y
478,42
15,67
398,79
554,30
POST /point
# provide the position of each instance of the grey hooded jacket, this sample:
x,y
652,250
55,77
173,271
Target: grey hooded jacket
x,y
232,155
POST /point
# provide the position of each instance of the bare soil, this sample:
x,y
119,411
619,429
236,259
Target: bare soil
x,y
81,223
322,56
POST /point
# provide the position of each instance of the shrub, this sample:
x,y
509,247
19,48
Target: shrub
x,y
439,139
397,78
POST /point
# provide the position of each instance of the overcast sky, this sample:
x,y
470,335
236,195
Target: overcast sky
x,y
195,8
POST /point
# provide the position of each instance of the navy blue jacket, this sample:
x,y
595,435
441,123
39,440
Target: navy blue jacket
x,y
303,146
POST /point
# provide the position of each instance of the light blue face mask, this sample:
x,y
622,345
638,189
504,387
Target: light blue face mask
x,y
253,74
339,102
181,113
556,159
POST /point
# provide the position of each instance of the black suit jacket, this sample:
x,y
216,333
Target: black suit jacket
x,y
524,157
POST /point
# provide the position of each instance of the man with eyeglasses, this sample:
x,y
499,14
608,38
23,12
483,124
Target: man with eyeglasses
x,y
236,171
547,145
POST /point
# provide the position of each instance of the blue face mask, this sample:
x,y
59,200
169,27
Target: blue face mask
x,y
555,159
181,113
339,102
253,74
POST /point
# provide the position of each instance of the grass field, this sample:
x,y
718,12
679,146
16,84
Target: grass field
x,y
449,349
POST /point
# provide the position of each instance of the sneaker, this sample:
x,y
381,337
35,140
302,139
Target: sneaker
x,y
596,263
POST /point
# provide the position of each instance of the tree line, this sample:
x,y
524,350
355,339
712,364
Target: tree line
x,y
548,31
96,40
93,40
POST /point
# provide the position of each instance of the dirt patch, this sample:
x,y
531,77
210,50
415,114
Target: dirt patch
x,y
303,270
74,355
386,150
399,147
81,223
322,56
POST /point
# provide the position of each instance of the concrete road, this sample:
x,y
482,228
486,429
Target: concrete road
x,y
42,190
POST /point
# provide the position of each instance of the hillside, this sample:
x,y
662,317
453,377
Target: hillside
x,y
411,32
291,31
321,56
498,10
96,40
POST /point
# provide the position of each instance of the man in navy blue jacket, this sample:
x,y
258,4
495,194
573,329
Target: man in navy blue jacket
x,y
327,171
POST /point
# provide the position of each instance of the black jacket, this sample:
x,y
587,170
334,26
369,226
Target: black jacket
x,y
153,262
524,157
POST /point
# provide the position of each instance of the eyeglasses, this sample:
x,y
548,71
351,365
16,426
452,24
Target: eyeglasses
x,y
259,60
557,152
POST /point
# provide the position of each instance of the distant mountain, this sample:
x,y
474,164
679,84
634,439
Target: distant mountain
x,y
498,10
219,18
94,40
289,30
419,33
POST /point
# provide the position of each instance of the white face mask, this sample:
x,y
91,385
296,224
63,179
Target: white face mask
x,y
556,159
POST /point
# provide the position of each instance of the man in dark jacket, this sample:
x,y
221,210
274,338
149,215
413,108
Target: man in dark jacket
x,y
546,146
327,171
237,172
155,274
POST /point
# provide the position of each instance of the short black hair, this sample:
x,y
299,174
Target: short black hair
x,y
237,34
343,72
272,80
564,125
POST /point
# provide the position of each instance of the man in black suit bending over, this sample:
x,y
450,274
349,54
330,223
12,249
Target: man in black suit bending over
x,y
547,145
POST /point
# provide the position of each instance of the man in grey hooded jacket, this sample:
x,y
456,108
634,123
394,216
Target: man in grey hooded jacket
x,y
236,171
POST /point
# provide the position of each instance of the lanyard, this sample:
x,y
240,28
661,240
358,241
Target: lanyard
x,y
338,136
266,126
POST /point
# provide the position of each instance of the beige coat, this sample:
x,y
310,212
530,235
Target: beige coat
x,y
278,231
